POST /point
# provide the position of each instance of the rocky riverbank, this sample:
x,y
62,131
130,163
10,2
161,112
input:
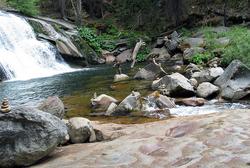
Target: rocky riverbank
x,y
215,140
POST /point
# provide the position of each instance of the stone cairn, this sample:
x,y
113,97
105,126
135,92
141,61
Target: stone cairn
x,y
5,108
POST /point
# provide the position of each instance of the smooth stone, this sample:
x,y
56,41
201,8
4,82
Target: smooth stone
x,y
120,77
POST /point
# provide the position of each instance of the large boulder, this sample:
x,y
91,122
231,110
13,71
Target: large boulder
x,y
208,75
235,81
53,105
149,72
28,135
80,130
160,54
207,90
176,84
124,56
129,104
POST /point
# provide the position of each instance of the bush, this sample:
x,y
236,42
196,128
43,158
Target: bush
x,y
27,7
108,40
238,48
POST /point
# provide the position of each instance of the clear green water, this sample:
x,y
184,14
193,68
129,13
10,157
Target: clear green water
x,y
76,89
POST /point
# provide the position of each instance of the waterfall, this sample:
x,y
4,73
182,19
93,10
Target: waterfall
x,y
22,56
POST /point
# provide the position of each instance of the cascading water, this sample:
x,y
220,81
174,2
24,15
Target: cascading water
x,y
22,56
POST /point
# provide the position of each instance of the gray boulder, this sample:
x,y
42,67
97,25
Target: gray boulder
x,y
207,90
235,81
176,84
195,42
130,103
53,105
124,56
208,75
28,135
160,54
80,130
149,72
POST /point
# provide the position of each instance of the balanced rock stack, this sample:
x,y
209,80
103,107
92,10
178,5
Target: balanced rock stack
x,y
5,108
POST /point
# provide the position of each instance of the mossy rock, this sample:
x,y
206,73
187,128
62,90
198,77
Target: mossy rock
x,y
91,56
37,27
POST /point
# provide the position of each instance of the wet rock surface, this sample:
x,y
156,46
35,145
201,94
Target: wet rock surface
x,y
214,140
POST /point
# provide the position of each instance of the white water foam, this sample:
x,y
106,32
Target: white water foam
x,y
22,56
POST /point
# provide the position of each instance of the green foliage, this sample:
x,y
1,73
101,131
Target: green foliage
x,y
142,54
109,39
201,58
238,48
90,36
28,7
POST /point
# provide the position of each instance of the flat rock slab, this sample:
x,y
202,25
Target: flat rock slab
x,y
214,140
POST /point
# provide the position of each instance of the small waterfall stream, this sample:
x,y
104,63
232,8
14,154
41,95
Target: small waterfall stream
x,y
22,56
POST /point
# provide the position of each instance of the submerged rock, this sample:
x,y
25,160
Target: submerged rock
x,y
207,90
129,104
235,81
160,114
176,84
120,77
53,105
28,135
80,130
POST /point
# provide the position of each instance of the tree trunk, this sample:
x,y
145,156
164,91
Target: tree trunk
x,y
225,13
62,6
79,12
135,52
